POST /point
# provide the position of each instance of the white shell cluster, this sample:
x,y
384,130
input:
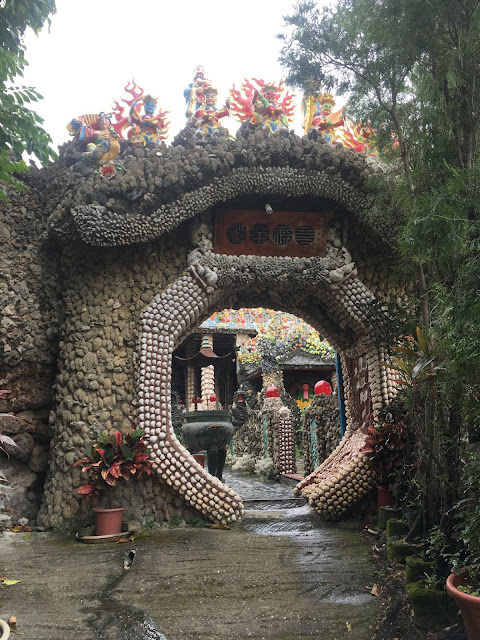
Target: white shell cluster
x,y
286,441
170,316
341,480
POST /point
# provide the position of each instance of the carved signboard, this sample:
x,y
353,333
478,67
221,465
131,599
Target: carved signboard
x,y
281,233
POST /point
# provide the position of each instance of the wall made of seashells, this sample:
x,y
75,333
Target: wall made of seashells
x,y
126,312
248,439
321,430
126,288
104,295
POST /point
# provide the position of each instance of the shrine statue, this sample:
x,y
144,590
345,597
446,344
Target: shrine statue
x,y
262,105
335,126
95,134
147,128
318,114
207,118
360,137
195,92
142,126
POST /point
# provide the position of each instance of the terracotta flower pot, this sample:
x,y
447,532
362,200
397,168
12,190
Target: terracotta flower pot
x,y
200,458
108,521
385,498
469,605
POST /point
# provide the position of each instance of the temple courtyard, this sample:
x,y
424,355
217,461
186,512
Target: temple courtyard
x,y
281,574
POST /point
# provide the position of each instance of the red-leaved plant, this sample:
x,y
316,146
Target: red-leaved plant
x,y
114,458
384,445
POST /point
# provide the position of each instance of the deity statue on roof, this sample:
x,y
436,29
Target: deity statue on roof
x,y
142,125
96,137
318,114
359,136
263,105
335,126
195,92
202,111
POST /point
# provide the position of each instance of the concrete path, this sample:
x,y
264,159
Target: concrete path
x,y
279,575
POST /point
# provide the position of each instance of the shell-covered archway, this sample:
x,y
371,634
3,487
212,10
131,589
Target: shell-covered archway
x,y
133,268
211,281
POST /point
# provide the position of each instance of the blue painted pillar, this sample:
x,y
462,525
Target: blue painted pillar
x,y
341,395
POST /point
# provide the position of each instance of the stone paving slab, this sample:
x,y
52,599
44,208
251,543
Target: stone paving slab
x,y
279,575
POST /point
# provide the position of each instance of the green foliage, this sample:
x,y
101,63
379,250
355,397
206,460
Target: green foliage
x,y
411,68
20,126
385,443
113,458
468,513
408,67
176,521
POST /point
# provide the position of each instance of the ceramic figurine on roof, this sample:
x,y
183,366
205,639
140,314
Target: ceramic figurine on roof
x,y
96,137
195,92
318,114
359,137
143,124
263,106
207,118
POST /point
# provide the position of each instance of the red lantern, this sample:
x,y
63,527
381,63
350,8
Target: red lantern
x,y
323,387
213,397
272,392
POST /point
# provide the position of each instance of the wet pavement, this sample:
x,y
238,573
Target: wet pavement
x,y
279,575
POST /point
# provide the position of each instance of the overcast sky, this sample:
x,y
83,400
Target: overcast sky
x,y
95,47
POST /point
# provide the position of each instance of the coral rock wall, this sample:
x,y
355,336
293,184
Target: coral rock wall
x,y
105,278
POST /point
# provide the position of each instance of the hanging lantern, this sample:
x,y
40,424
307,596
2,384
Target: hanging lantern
x,y
272,392
322,388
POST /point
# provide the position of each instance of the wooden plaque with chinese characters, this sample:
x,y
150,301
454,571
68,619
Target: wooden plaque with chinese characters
x,y
282,233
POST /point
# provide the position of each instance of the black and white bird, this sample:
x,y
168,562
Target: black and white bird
x,y
129,558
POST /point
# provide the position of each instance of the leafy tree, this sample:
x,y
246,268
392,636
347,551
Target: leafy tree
x,y
20,126
412,68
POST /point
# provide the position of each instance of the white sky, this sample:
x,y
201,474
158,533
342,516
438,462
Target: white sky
x,y
95,47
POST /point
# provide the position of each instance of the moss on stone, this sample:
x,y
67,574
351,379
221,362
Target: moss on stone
x,y
384,515
429,605
417,569
396,527
398,550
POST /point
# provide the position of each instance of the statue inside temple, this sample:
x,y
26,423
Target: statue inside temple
x,y
263,105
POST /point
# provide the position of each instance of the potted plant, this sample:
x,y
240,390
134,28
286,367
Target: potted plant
x,y
113,458
463,584
384,446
